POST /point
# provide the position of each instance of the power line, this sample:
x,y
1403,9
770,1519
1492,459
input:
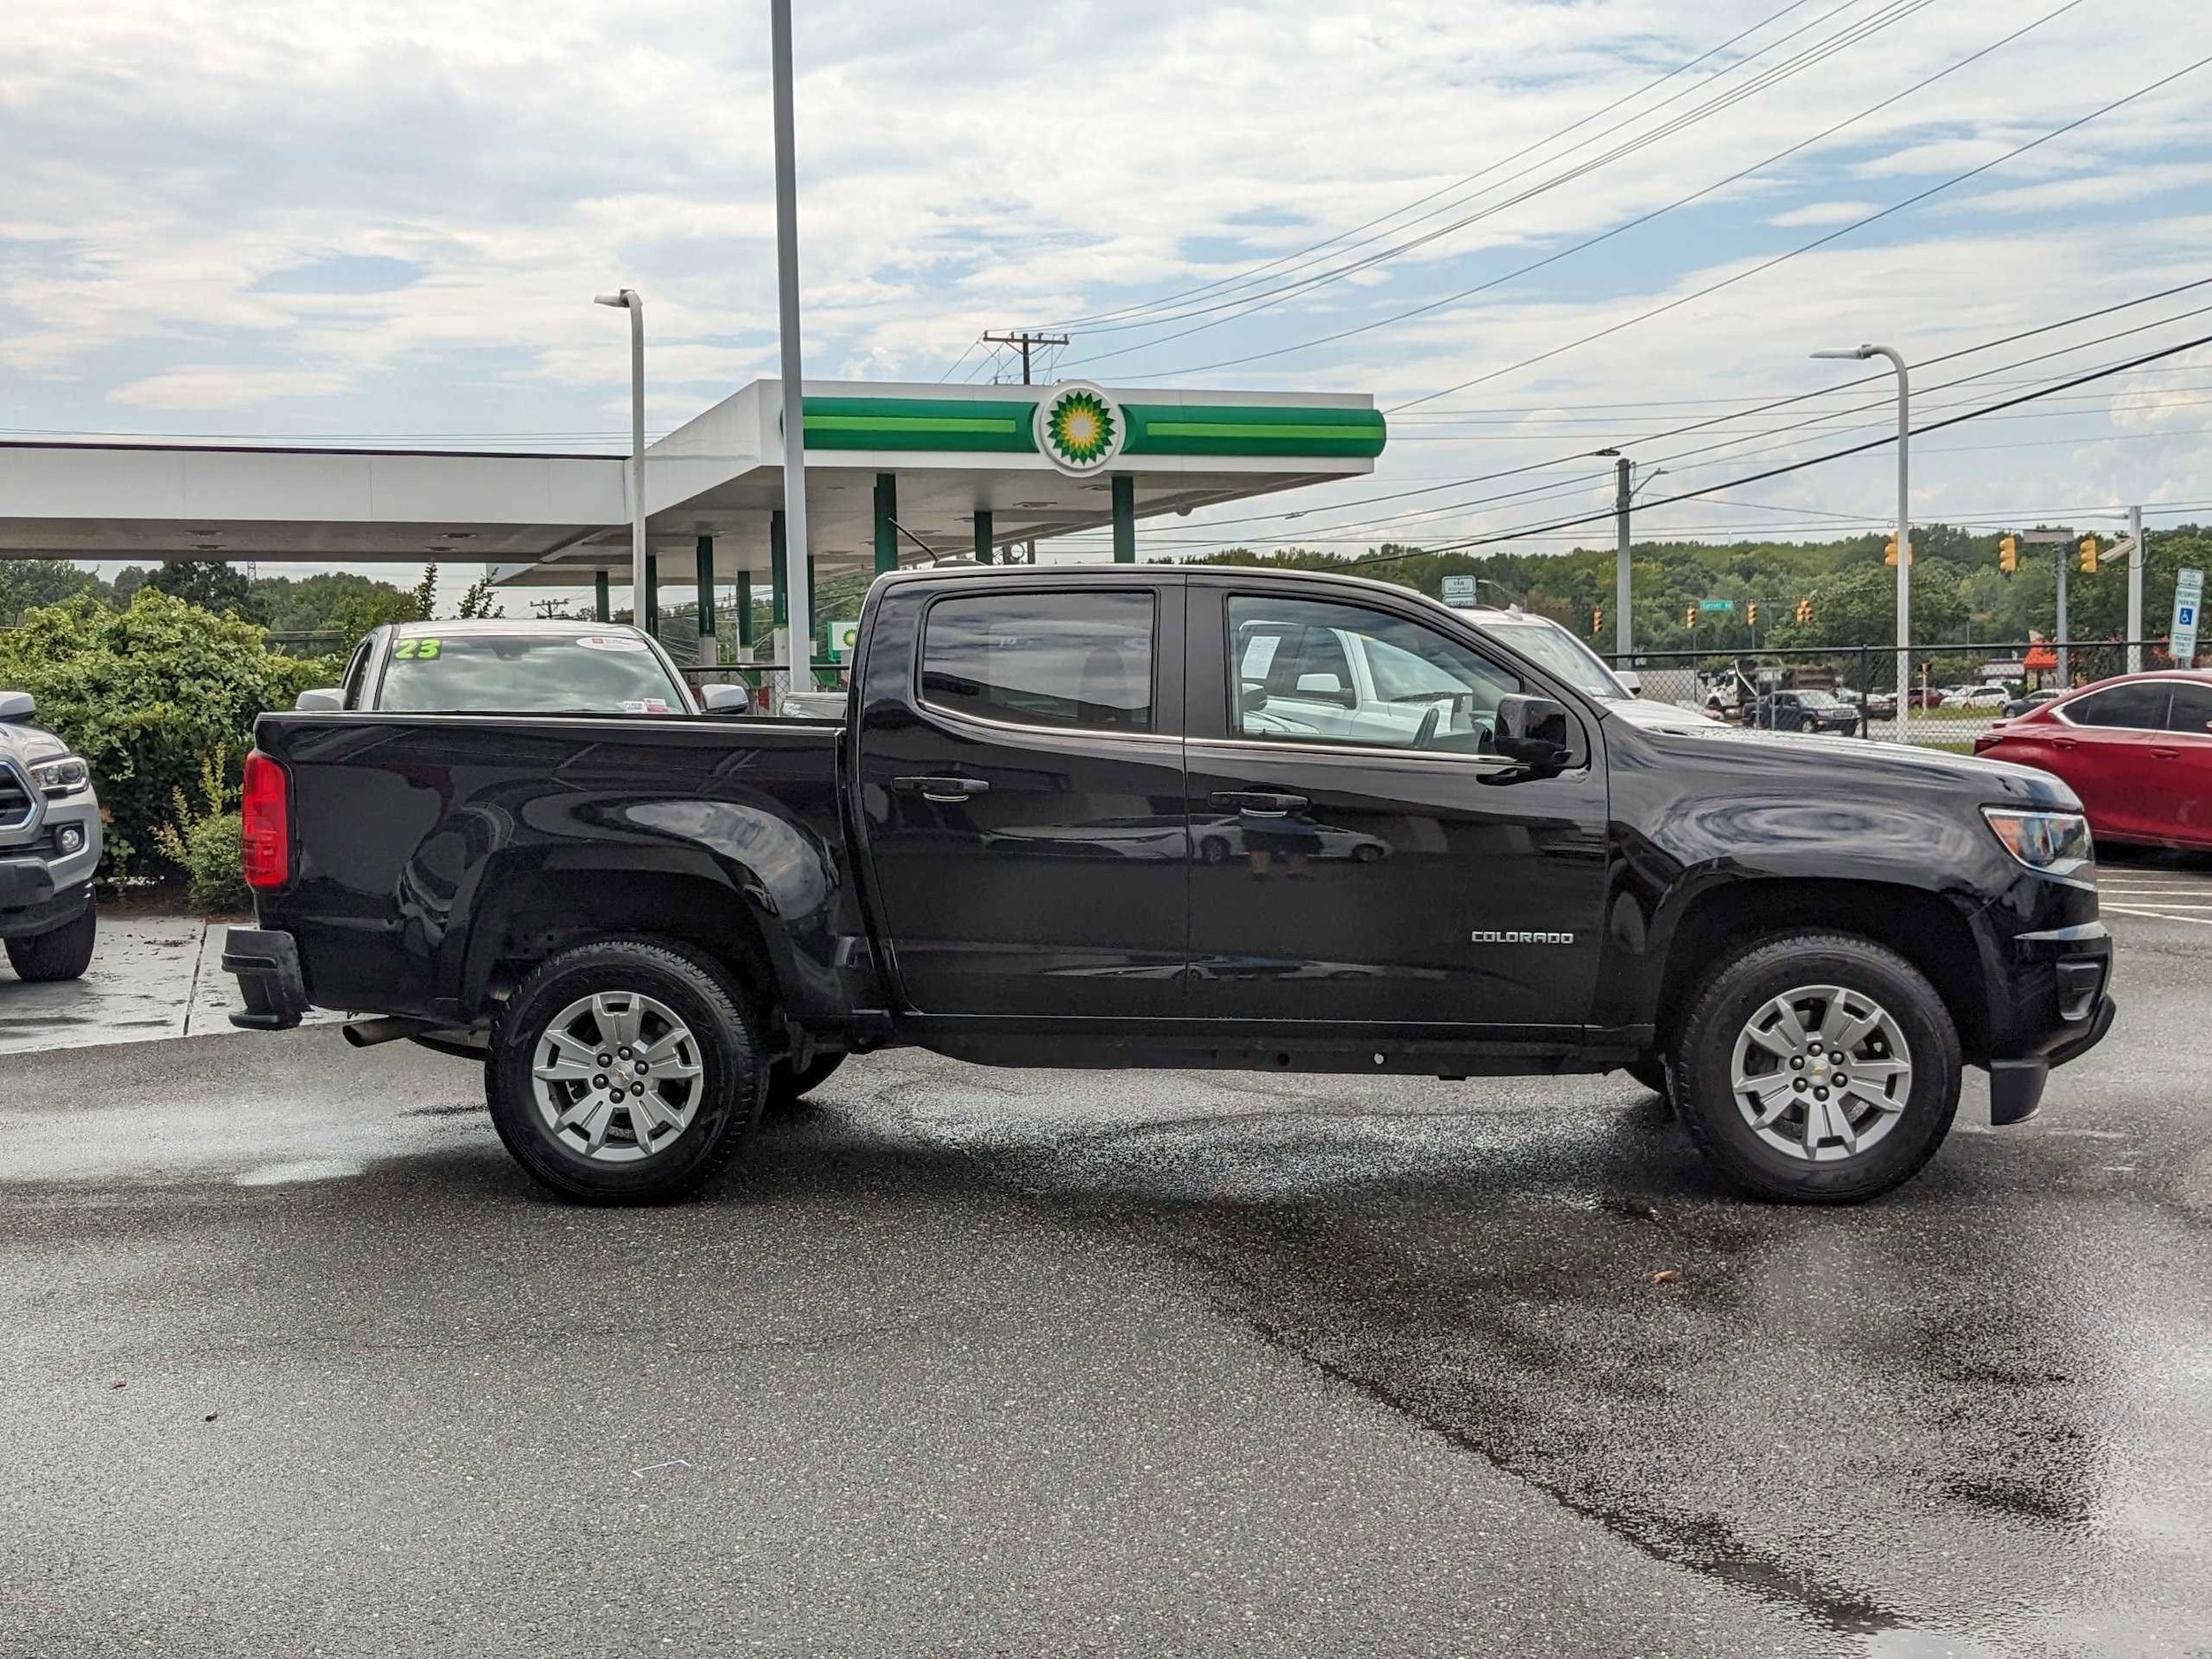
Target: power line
x,y
1821,241
1252,303
1836,455
1255,271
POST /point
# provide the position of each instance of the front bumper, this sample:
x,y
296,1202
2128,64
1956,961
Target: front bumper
x,y
41,887
2055,1005
267,964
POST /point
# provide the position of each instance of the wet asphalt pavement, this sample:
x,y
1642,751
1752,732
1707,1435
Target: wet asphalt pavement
x,y
1065,1362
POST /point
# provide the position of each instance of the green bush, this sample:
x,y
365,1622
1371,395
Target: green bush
x,y
208,852
202,841
150,696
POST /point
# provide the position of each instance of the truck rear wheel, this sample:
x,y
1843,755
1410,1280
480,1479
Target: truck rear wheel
x,y
624,1073
1818,1068
65,953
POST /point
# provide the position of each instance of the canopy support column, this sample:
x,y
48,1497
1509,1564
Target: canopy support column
x,y
886,522
599,596
1124,518
707,652
983,536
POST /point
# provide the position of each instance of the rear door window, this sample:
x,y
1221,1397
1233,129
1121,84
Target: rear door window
x,y
2192,711
1068,660
2139,707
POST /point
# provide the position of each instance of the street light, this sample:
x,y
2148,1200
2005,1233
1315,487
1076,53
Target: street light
x,y
627,299
1904,512
799,619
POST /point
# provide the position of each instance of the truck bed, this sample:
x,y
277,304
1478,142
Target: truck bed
x,y
403,820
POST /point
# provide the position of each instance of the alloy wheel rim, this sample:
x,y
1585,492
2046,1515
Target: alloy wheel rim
x,y
618,1077
1821,1073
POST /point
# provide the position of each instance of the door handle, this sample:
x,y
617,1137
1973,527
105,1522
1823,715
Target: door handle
x,y
1266,803
2061,742
2167,754
942,788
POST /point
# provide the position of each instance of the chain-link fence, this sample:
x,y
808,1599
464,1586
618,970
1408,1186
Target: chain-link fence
x,y
1953,693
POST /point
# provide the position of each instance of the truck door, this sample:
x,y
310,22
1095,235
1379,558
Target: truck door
x,y
1021,794
1392,876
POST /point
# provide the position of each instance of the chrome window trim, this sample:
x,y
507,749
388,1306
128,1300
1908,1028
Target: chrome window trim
x,y
1490,763
937,711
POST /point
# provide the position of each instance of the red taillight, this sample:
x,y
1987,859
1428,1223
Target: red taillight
x,y
264,823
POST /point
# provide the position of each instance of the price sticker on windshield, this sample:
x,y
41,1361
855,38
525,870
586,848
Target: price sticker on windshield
x,y
415,650
610,642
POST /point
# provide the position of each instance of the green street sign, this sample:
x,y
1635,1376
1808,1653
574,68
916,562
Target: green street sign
x,y
1716,604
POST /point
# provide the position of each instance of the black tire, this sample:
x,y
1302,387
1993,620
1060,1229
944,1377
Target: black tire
x,y
1702,1061
1651,1071
787,1088
63,954
728,1054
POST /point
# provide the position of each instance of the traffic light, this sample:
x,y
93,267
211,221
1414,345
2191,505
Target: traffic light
x,y
1689,615
1597,621
1804,610
2089,556
1752,613
2008,554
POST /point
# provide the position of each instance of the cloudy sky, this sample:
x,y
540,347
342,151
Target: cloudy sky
x,y
1530,229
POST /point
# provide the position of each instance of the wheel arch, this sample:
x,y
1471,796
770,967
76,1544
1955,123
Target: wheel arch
x,y
526,914
1924,927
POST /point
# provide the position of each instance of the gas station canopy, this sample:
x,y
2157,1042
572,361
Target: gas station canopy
x,y
894,473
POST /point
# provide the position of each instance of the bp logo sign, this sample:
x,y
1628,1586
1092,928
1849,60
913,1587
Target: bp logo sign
x,y
1078,427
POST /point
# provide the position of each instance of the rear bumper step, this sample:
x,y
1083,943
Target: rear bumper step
x,y
268,965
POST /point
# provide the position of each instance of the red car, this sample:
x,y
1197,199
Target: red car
x,y
2137,750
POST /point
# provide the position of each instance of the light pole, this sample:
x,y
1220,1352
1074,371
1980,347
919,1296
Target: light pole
x,y
1904,512
627,299
799,624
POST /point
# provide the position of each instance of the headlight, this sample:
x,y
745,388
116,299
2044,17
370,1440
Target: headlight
x,y
2049,843
63,775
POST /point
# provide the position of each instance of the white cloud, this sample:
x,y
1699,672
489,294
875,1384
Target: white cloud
x,y
215,386
1824,213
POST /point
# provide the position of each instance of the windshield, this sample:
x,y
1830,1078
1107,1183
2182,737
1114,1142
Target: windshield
x,y
1545,642
1817,700
529,673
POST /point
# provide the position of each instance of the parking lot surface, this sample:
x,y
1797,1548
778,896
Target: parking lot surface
x,y
965,1361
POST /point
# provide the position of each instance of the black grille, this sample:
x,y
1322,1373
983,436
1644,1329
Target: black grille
x,y
15,801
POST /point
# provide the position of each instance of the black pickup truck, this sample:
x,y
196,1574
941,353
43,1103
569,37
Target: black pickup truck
x,y
1135,816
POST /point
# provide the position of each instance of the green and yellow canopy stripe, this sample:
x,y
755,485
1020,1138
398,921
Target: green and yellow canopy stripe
x,y
918,423
946,426
1253,430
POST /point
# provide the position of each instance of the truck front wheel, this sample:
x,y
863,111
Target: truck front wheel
x,y
64,953
1818,1068
624,1073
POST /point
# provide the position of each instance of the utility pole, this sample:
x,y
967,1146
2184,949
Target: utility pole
x,y
1025,340
1623,469
2137,555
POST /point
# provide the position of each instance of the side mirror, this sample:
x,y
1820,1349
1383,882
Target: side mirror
x,y
1534,731
17,706
322,700
725,699
1320,686
1253,699
1631,682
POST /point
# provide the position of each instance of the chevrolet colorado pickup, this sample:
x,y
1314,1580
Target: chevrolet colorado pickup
x,y
1111,817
